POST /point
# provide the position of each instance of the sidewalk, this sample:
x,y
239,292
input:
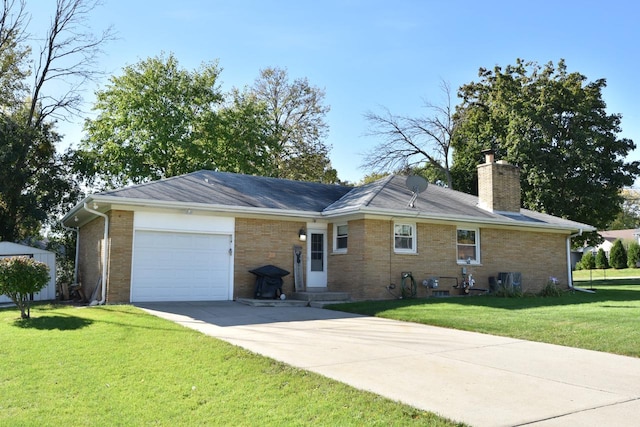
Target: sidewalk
x,y
479,379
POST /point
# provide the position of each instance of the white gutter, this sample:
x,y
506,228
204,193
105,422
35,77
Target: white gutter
x,y
569,272
103,282
204,207
386,213
75,262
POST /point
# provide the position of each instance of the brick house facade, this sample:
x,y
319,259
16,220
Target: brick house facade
x,y
247,222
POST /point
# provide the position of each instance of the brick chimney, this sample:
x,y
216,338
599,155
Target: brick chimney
x,y
498,185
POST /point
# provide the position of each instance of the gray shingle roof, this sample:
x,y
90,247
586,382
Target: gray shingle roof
x,y
229,189
392,194
388,195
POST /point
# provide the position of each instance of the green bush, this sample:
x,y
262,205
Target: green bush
x,y
588,261
601,260
19,278
633,254
618,255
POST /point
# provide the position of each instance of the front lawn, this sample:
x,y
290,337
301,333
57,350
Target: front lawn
x,y
608,320
117,365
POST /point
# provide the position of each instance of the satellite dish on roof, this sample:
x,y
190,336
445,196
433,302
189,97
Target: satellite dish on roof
x,y
416,184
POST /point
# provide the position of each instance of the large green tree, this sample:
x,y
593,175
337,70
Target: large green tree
x,y
553,124
158,120
243,140
153,122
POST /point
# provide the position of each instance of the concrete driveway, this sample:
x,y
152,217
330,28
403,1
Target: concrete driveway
x,y
479,379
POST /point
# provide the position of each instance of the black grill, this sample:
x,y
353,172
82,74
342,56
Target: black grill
x,y
268,281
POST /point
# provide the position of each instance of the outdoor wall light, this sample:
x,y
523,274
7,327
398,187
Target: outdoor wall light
x,y
95,206
189,212
302,235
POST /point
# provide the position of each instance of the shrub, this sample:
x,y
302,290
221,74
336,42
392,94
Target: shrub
x,y
633,254
551,288
19,278
587,262
618,255
601,259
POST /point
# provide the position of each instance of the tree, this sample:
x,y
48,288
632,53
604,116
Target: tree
x,y
243,138
629,216
33,183
554,126
618,255
19,278
34,180
633,254
154,121
601,259
414,142
296,119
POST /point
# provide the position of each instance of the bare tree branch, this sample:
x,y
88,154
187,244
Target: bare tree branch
x,y
68,57
408,142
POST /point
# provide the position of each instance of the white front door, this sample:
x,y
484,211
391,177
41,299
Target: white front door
x,y
316,256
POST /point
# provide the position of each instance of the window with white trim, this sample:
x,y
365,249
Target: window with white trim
x,y
468,245
404,236
340,236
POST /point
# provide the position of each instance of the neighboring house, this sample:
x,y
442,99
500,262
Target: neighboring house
x,y
197,236
610,237
8,249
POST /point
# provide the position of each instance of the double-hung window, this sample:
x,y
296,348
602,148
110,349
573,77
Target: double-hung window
x,y
468,245
341,234
404,235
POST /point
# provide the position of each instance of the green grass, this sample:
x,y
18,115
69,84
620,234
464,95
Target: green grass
x,y
116,365
605,321
610,273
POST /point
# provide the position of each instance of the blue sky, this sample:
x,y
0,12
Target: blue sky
x,y
372,54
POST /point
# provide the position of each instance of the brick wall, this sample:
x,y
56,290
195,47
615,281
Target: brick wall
x,y
119,259
536,255
371,264
260,242
120,255
365,271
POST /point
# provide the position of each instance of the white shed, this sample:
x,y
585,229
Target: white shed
x,y
8,249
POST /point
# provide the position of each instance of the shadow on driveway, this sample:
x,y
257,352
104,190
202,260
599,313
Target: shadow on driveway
x,y
231,313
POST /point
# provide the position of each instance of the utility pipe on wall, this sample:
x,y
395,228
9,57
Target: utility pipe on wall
x,y
103,282
569,272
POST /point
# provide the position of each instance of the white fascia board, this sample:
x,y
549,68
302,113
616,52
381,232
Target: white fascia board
x,y
125,203
391,213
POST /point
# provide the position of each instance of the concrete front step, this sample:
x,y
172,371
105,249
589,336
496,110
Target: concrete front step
x,y
300,299
322,304
253,302
334,297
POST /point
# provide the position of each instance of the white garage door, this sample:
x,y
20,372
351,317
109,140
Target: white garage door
x,y
170,266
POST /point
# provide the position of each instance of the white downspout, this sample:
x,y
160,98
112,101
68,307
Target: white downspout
x,y
75,262
103,282
570,273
